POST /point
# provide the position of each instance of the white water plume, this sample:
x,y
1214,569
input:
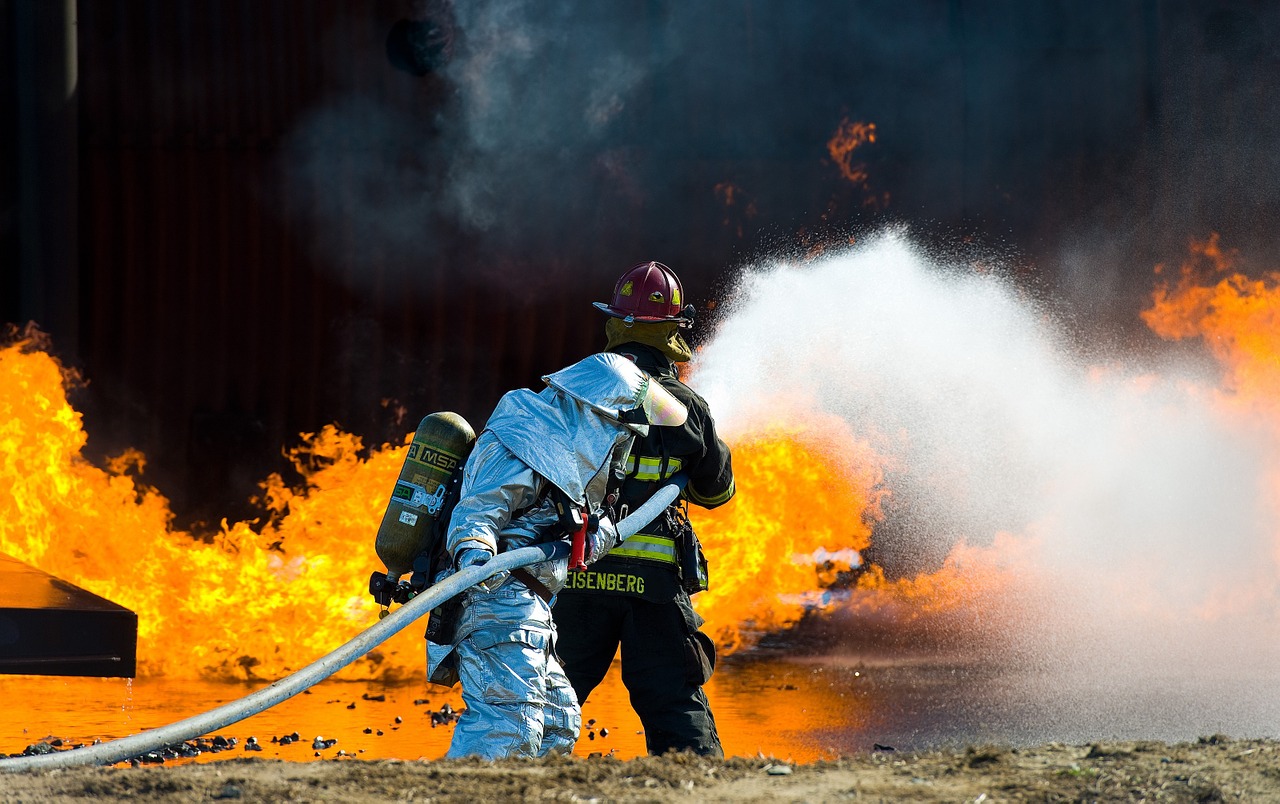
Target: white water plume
x,y
1143,510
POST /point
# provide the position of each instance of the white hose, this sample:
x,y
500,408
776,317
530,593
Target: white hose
x,y
147,741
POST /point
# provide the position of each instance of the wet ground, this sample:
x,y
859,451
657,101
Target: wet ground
x,y
796,707
771,707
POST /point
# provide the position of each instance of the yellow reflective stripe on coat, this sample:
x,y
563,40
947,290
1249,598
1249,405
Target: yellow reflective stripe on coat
x,y
651,468
693,495
650,548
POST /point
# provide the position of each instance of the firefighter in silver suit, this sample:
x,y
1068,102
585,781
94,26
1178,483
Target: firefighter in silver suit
x,y
571,439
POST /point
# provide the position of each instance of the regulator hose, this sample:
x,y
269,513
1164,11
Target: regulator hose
x,y
145,742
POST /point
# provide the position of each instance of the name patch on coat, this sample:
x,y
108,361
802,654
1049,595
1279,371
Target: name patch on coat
x,y
623,582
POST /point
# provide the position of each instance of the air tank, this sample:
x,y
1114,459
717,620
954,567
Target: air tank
x,y
439,448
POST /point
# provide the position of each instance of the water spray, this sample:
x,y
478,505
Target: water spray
x,y
1084,517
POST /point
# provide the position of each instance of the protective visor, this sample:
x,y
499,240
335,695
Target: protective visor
x,y
661,407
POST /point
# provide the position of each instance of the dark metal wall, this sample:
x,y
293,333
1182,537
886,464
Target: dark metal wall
x,y
212,338
228,300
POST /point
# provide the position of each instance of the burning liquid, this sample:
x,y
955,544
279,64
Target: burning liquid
x,y
781,709
1020,503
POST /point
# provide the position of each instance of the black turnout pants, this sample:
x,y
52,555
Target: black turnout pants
x,y
664,663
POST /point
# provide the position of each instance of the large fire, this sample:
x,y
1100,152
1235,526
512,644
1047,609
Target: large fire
x,y
805,486
259,601
268,596
1238,319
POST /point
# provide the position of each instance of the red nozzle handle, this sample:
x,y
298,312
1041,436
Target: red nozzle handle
x,y
578,549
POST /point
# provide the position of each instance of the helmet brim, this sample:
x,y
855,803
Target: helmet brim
x,y
643,319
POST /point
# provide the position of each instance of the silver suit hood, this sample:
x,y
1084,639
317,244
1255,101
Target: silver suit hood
x,y
616,388
556,436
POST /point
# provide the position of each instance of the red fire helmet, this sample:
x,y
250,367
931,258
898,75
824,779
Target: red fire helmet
x,y
648,292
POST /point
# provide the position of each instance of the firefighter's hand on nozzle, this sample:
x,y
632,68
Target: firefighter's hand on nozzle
x,y
602,537
474,556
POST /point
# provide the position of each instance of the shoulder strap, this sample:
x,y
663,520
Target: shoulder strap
x,y
536,586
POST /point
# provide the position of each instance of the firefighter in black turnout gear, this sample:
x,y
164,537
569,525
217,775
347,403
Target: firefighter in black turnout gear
x,y
637,596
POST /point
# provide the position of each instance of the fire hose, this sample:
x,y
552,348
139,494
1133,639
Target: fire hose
x,y
135,745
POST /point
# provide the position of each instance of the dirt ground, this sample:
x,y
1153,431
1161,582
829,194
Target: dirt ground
x,y
1212,769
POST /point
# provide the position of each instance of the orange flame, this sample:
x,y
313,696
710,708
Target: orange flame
x,y
266,597
1237,317
847,139
250,603
804,484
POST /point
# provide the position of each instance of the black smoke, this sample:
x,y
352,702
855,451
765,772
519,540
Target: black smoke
x,y
1093,138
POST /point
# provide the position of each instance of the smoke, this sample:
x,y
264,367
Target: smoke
x,y
540,87
1135,516
354,175
514,155
578,139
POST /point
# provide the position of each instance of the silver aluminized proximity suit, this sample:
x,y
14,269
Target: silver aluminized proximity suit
x,y
572,436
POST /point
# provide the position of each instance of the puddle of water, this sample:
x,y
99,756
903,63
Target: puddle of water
x,y
794,707
925,702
